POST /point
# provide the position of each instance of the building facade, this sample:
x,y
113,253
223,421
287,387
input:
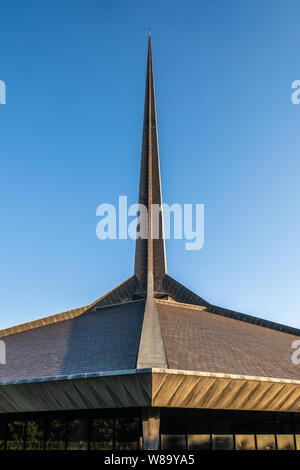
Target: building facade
x,y
122,429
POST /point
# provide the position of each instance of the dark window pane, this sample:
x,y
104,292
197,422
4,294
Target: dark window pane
x,y
297,429
244,442
34,435
15,435
199,441
77,438
265,436
222,423
174,422
222,438
245,422
55,437
222,442
199,423
127,433
245,427
265,442
2,432
285,442
198,429
284,432
102,434
173,442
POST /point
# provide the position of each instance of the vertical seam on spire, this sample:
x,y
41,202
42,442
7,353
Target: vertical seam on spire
x,y
151,351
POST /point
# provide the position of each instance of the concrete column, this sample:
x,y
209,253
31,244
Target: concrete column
x,y
151,425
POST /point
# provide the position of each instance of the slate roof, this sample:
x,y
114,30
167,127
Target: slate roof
x,y
96,341
107,339
198,340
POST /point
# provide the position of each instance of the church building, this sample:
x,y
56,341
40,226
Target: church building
x,y
151,364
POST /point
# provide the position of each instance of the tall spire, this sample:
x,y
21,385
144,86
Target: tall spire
x,y
150,258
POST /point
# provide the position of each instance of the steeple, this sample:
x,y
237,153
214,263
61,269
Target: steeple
x,y
150,258
150,279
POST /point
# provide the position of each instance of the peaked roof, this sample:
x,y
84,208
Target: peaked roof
x,y
150,320
109,339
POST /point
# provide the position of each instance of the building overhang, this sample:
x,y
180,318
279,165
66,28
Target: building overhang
x,y
193,389
151,387
117,389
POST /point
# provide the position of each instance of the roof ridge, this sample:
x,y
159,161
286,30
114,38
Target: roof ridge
x,y
180,304
44,321
151,351
244,317
58,317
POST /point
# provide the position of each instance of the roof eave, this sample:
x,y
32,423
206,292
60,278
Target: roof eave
x,y
155,387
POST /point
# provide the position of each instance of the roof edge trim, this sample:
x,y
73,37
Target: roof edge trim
x,y
58,317
152,370
223,375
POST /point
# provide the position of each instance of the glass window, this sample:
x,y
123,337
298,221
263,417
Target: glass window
x,y
265,436
244,442
297,429
173,442
127,433
175,422
265,441
284,432
199,441
101,434
15,435
244,427
222,438
285,442
34,435
2,432
55,435
77,438
199,431
222,442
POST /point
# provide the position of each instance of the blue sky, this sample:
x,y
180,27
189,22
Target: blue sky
x,y
70,139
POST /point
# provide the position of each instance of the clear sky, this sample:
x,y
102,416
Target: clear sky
x,y
70,139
